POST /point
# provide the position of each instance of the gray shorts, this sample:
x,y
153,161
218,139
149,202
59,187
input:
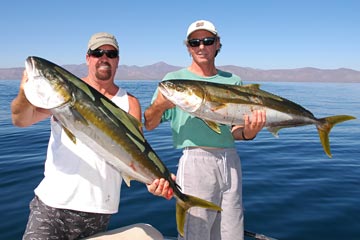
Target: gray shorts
x,y
52,223
214,175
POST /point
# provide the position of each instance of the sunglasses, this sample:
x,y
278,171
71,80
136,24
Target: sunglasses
x,y
100,52
206,41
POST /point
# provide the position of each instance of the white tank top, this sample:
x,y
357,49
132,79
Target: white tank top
x,y
75,177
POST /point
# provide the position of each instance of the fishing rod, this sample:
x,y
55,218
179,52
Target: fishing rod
x,y
257,236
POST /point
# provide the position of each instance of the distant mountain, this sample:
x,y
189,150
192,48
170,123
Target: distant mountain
x,y
295,75
10,73
158,70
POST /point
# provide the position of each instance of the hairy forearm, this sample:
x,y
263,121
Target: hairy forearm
x,y
153,116
21,110
23,113
154,113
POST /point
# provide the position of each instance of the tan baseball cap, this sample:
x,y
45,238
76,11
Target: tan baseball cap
x,y
201,25
102,38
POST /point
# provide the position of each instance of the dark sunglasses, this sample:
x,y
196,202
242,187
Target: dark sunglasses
x,y
206,41
100,52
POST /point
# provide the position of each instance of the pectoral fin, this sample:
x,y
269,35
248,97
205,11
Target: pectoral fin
x,y
79,118
213,125
70,135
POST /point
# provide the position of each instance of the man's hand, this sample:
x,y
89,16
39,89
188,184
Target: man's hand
x,y
251,127
161,187
23,113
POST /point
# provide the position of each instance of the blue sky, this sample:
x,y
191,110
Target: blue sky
x,y
263,34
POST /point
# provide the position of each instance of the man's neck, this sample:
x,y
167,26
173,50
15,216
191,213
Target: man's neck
x,y
205,69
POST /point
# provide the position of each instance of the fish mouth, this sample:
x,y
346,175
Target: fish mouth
x,y
29,66
38,89
163,87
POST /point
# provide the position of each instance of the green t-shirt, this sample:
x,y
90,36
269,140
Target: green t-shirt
x,y
190,131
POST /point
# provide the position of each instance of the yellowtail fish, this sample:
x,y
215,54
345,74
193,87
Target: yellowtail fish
x,y
217,103
112,133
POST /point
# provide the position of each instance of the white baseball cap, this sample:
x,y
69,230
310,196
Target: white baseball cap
x,y
201,25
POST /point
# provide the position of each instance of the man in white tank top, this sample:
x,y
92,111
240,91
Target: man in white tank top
x,y
73,202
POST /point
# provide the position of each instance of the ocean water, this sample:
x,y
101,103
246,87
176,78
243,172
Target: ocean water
x,y
291,189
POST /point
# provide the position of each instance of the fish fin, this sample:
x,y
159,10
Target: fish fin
x,y
180,218
127,180
70,135
213,125
325,127
183,206
127,119
274,131
77,117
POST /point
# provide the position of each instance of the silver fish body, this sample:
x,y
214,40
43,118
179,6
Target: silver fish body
x,y
112,133
227,104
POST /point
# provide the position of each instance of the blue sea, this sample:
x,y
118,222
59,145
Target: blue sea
x,y
291,189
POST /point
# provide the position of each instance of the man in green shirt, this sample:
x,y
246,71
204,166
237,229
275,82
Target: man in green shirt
x,y
210,167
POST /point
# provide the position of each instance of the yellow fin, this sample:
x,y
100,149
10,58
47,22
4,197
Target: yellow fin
x,y
180,218
325,127
70,135
183,206
77,117
213,125
127,179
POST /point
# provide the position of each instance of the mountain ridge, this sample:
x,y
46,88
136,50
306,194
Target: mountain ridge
x,y
158,70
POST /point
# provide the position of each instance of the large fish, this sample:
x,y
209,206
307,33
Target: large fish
x,y
114,134
226,104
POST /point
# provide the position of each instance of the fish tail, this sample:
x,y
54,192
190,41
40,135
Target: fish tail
x,y
183,206
325,126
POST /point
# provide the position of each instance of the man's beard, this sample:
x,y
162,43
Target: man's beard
x,y
103,74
